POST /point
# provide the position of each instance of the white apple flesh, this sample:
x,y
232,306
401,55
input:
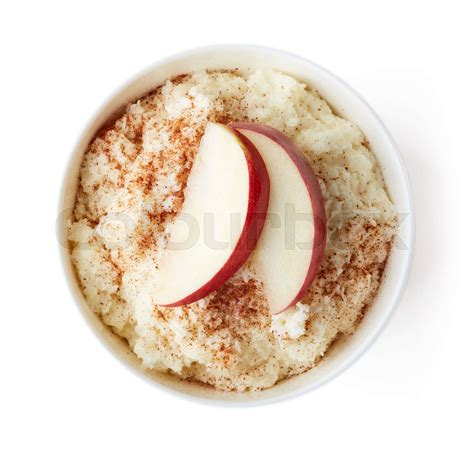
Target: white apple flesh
x,y
291,247
222,217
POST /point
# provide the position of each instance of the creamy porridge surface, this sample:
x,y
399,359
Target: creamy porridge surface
x,y
132,185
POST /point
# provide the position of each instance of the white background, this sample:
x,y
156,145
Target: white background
x,y
62,393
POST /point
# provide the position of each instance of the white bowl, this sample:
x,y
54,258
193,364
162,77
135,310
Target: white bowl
x,y
348,104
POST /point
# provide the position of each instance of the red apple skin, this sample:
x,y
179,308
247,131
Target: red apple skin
x,y
259,194
317,201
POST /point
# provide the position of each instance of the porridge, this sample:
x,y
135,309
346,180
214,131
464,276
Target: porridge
x,y
132,186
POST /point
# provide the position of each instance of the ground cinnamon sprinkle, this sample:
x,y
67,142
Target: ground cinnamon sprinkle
x,y
133,184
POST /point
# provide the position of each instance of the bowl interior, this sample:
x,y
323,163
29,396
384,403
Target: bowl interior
x,y
347,104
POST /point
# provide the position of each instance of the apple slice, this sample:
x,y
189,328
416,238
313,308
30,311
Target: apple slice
x,y
222,217
291,247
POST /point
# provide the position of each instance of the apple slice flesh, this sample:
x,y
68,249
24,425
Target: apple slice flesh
x,y
291,247
222,217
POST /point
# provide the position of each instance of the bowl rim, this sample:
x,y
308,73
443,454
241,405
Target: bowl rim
x,y
381,323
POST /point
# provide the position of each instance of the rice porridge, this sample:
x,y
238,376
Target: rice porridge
x,y
133,185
